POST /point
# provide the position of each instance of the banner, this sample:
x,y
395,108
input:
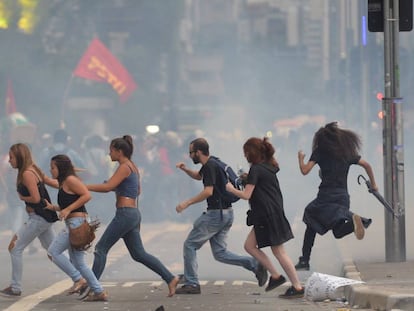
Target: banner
x,y
99,64
10,100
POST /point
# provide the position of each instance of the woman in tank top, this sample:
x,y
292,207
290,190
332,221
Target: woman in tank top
x,y
33,193
72,197
126,224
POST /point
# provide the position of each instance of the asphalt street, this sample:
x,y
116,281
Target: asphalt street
x,y
131,286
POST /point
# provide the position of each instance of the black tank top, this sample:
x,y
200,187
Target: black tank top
x,y
39,208
65,199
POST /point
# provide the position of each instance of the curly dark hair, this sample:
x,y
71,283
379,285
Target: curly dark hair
x,y
336,142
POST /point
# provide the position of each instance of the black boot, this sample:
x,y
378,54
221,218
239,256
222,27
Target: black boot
x,y
302,264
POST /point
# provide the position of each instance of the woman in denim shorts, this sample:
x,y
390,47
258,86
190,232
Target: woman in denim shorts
x,y
72,197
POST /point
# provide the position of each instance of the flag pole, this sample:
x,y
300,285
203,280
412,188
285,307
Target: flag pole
x,y
65,95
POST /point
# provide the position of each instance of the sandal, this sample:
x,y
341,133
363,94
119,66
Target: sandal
x,y
77,286
97,297
84,292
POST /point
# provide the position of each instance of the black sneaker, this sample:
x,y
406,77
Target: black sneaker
x,y
366,222
273,283
302,264
261,275
188,289
292,292
10,292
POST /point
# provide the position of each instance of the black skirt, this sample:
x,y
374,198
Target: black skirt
x,y
328,209
273,230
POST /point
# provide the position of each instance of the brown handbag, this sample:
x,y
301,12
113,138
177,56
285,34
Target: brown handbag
x,y
81,237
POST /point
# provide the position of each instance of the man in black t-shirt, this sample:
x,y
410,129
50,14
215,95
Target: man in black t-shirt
x,y
213,224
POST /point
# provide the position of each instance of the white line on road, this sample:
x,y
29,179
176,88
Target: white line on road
x,y
28,302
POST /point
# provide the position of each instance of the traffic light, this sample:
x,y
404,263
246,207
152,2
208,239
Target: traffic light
x,y
380,113
376,15
380,96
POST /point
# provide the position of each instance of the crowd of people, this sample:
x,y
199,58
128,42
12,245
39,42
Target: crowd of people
x,y
334,150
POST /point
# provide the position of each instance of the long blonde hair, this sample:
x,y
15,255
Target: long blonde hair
x,y
24,160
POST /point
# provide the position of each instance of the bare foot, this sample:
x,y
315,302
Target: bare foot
x,y
172,286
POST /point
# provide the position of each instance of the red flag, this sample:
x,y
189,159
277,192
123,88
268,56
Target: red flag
x,y
99,64
10,100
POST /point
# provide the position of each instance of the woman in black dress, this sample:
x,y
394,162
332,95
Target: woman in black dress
x,y
270,225
334,150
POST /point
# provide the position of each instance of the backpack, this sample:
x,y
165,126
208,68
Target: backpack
x,y
228,175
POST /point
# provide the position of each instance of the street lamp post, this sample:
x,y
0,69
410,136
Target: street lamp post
x,y
393,146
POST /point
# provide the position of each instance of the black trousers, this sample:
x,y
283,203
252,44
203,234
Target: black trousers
x,y
341,229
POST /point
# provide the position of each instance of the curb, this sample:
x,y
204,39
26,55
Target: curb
x,y
364,296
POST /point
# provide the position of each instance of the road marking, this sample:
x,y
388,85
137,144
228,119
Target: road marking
x,y
109,284
203,282
159,283
240,283
119,250
29,302
130,284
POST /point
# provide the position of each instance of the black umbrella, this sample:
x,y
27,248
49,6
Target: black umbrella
x,y
377,195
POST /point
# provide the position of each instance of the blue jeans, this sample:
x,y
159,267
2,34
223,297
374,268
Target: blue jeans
x,y
210,226
126,225
76,267
34,227
15,217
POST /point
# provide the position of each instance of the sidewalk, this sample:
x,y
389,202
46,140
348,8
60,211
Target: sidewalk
x,y
387,285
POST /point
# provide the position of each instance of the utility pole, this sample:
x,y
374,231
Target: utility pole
x,y
393,146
